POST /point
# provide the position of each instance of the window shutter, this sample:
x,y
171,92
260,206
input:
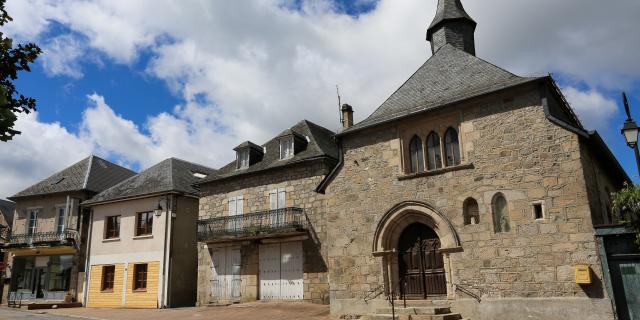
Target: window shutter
x,y
239,205
273,200
232,206
281,198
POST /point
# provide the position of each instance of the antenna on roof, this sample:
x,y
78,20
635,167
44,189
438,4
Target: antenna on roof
x,y
339,105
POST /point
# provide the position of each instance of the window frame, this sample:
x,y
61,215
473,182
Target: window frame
x,y
149,228
136,275
107,219
416,155
466,214
435,150
32,229
452,148
542,210
61,219
284,141
104,281
243,158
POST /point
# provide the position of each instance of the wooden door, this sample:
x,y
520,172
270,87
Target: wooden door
x,y
626,286
420,263
281,271
226,274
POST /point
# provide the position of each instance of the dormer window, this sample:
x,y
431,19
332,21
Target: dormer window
x,y
243,158
286,147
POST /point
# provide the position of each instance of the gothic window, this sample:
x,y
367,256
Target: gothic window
x,y
416,155
434,154
501,221
470,211
451,147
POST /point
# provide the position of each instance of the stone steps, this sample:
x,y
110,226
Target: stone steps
x,y
417,310
448,316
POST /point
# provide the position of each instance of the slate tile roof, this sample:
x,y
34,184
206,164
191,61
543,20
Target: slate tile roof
x,y
7,208
92,174
320,145
170,175
449,10
449,76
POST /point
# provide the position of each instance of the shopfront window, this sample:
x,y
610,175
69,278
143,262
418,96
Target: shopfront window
x,y
59,272
22,273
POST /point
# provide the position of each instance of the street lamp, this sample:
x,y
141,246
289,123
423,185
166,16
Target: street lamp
x,y
630,131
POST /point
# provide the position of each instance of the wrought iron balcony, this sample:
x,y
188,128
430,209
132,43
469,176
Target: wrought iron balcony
x,y
66,237
255,225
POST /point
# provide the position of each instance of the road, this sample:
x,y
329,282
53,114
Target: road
x,y
13,314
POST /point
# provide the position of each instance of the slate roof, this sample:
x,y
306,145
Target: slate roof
x,y
450,75
320,144
7,208
170,175
92,174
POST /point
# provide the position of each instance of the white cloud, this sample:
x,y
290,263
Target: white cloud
x,y
41,150
594,110
61,56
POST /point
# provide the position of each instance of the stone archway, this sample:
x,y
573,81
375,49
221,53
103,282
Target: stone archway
x,y
390,228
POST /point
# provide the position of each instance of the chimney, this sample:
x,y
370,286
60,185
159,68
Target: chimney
x,y
347,116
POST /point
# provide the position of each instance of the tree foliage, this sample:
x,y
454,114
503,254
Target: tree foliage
x,y
13,60
626,205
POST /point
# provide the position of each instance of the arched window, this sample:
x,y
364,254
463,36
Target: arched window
x,y
434,155
501,221
470,211
416,155
451,147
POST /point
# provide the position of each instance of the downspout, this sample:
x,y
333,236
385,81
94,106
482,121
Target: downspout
x,y
169,205
170,257
87,268
325,182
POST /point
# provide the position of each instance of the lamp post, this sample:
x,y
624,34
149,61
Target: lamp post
x,y
630,131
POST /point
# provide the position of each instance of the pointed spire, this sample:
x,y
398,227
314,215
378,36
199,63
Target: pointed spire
x,y
452,25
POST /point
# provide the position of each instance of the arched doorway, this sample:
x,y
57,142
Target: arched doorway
x,y
420,263
432,226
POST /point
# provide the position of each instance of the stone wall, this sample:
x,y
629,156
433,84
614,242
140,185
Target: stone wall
x,y
508,146
300,182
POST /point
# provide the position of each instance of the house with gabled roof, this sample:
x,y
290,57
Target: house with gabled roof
x,y
261,223
46,244
142,237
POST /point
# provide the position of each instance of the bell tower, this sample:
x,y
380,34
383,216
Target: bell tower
x,y
452,25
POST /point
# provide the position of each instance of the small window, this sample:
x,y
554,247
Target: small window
x,y
416,156
434,154
60,222
108,274
501,221
112,230
470,212
243,158
199,175
286,148
144,223
140,277
451,147
538,211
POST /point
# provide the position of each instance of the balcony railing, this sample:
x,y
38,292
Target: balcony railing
x,y
263,224
39,238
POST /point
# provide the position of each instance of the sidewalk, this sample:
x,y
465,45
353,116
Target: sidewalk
x,y
256,310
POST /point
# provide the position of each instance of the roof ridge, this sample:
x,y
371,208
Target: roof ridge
x,y
88,173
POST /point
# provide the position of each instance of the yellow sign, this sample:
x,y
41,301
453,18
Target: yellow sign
x,y
583,274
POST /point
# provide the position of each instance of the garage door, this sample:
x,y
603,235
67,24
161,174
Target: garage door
x,y
281,271
225,280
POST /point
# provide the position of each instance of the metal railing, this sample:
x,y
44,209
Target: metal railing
x,y
468,291
253,225
44,237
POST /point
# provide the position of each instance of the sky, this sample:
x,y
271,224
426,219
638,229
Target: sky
x,y
136,82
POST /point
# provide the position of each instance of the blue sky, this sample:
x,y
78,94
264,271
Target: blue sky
x,y
138,82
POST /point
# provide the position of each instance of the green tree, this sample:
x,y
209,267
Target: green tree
x,y
626,205
12,60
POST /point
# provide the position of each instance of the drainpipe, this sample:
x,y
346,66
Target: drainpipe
x,y
87,267
168,212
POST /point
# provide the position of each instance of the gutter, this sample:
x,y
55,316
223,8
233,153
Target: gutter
x,y
328,178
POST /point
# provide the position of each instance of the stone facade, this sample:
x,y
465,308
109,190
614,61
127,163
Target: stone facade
x,y
508,146
299,181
